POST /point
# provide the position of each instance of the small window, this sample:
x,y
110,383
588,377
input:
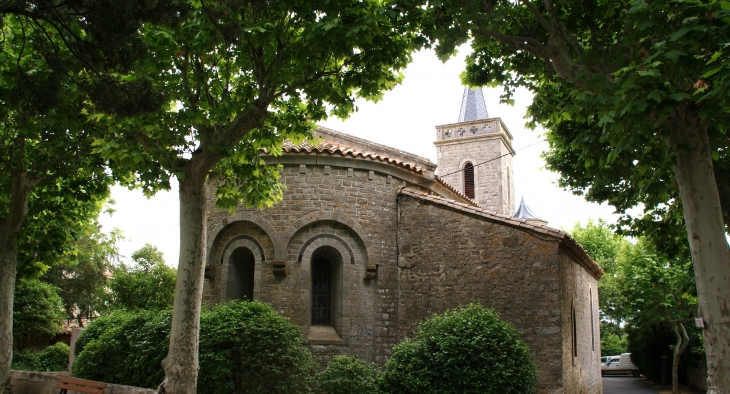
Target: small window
x,y
241,275
469,180
509,189
321,292
575,331
593,329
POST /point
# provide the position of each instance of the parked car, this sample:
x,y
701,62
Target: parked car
x,y
619,365
604,359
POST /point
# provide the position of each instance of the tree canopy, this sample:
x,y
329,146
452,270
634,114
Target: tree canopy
x,y
239,78
81,271
644,294
634,98
150,285
56,59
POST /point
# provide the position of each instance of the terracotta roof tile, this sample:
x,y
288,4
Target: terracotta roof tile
x,y
573,248
460,194
334,148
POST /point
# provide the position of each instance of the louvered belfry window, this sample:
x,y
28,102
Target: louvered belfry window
x,y
321,292
469,180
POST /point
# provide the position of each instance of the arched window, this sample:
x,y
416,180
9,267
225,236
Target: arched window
x,y
321,292
240,275
469,180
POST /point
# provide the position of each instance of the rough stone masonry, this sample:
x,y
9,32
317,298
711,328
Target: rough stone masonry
x,y
368,242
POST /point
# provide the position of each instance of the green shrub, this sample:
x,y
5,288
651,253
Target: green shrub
x,y
99,326
54,358
25,360
465,350
244,347
37,311
129,353
349,375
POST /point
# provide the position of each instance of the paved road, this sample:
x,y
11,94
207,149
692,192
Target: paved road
x,y
627,385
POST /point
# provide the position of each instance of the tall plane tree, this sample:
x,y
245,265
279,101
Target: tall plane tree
x,y
638,91
241,77
57,57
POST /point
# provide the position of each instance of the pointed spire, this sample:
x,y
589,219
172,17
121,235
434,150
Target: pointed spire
x,y
524,212
472,105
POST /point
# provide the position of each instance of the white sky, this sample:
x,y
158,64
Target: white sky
x,y
429,96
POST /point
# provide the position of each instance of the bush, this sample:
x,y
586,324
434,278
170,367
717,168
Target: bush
x,y
244,347
37,311
349,375
129,353
465,350
25,360
99,326
248,347
54,358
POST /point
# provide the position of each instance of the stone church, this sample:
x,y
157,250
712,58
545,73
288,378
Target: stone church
x,y
370,240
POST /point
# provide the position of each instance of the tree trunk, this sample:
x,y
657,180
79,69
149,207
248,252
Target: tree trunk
x,y
8,265
706,234
682,342
10,226
181,363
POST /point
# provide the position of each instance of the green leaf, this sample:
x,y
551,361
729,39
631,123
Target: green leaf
x,y
679,96
712,72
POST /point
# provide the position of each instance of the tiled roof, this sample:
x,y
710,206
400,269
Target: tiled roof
x,y
460,194
334,148
571,246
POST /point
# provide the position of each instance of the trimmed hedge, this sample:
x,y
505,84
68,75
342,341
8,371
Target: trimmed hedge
x,y
99,326
244,347
349,375
54,358
25,360
465,350
129,353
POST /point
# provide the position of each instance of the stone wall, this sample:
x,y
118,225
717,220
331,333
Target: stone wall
x,y
448,258
349,209
581,345
494,188
397,263
28,382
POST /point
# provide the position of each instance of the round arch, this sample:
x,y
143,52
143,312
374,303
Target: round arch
x,y
239,217
286,235
337,253
242,242
462,164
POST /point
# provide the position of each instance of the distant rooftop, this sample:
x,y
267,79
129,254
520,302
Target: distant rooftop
x,y
473,106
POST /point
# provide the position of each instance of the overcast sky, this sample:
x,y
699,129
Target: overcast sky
x,y
405,119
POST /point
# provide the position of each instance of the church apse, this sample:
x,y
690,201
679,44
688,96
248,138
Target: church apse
x,y
366,244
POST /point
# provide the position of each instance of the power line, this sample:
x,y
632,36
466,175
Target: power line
x,y
476,165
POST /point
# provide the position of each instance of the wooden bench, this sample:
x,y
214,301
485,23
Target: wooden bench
x,y
79,385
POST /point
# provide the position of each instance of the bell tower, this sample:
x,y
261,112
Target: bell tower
x,y
468,155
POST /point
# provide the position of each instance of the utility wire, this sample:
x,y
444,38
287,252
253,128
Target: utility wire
x,y
475,165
